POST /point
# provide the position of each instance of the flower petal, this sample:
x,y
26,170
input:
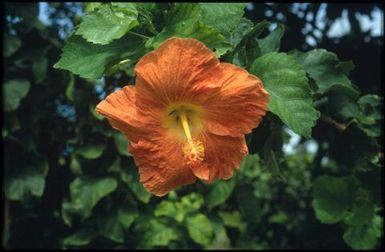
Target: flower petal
x,y
120,109
239,105
161,165
223,154
180,70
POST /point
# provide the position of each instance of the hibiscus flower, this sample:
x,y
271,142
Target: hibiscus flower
x,y
186,116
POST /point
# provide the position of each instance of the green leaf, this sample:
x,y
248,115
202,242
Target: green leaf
x,y
250,166
26,179
70,88
221,240
199,229
14,91
109,22
325,68
289,92
91,151
333,197
113,223
131,178
220,191
249,205
182,20
243,27
90,60
279,218
222,17
11,44
167,208
363,209
158,234
87,192
80,238
121,143
272,42
363,236
75,165
233,219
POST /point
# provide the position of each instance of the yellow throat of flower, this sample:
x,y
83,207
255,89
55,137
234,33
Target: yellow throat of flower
x,y
182,120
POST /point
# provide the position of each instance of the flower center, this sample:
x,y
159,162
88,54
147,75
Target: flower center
x,y
183,120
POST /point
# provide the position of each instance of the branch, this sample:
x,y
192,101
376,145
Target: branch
x,y
329,120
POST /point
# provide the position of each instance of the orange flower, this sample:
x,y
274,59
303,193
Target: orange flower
x,y
187,115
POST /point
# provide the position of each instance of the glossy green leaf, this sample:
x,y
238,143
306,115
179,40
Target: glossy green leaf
x,y
222,17
14,91
108,23
220,191
183,20
272,42
289,92
324,67
333,197
87,192
199,229
91,60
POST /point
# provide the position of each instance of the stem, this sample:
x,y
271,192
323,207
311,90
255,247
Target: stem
x,y
331,121
139,35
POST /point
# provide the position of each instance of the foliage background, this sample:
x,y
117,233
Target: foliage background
x,y
70,183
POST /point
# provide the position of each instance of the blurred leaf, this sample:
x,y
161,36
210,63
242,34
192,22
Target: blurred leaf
x,y
14,91
39,67
80,238
158,234
70,88
199,229
221,240
233,219
121,143
131,178
97,116
223,17
250,165
91,151
272,42
109,22
113,223
75,165
90,60
248,205
11,44
219,192
25,179
363,209
363,236
290,97
279,218
325,68
333,197
87,192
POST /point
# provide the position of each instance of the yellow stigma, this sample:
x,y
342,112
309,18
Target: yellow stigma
x,y
193,150
183,120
